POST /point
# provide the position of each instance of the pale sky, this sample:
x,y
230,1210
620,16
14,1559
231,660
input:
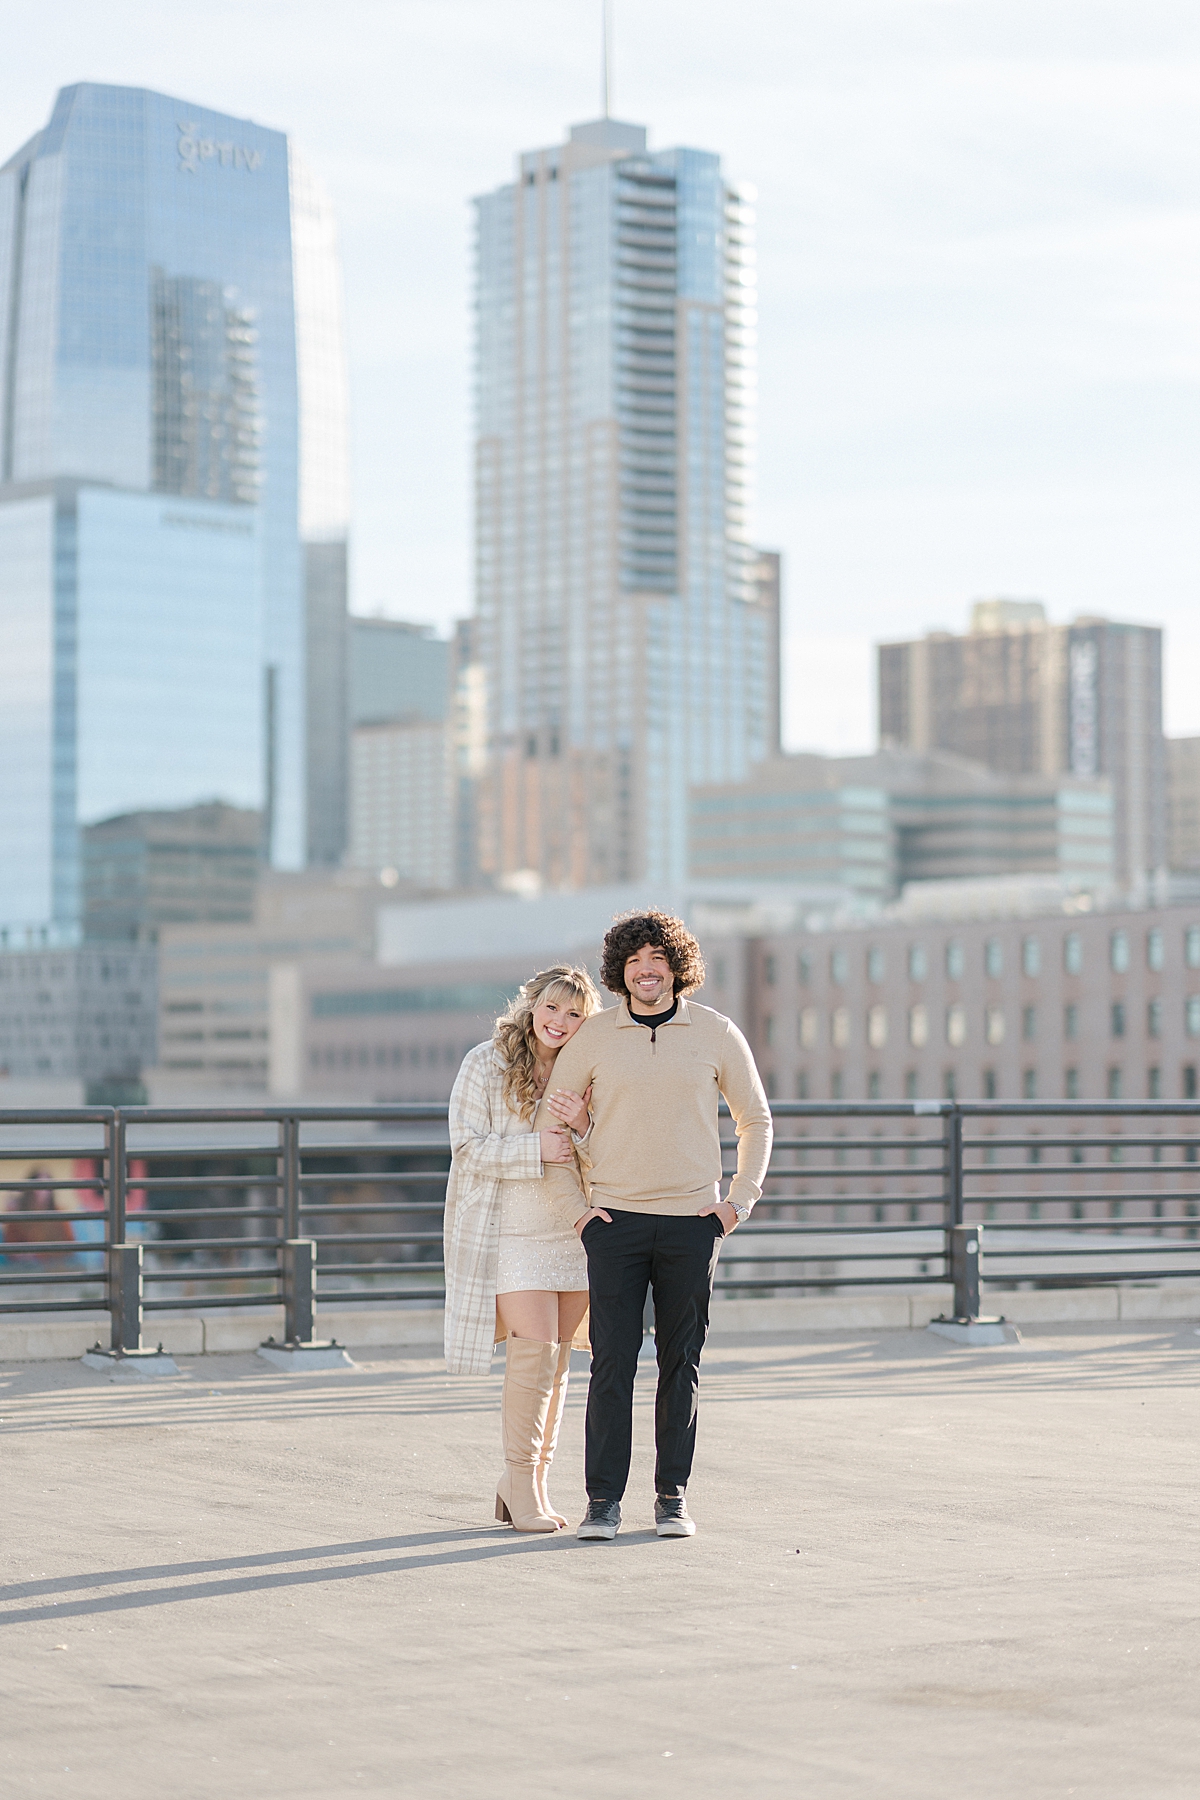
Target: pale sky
x,y
979,259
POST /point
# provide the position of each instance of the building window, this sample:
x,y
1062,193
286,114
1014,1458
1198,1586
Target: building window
x,y
949,1084
993,1024
1191,1015
803,970
1031,956
956,1025
918,1026
769,1028
802,1085
876,964
918,962
956,961
719,972
874,1085
1154,1082
769,1084
1114,1084
1073,953
810,1028
993,958
989,1084
1189,1081
1154,1018
769,971
1070,1021
839,967
1191,946
1118,1018
839,1028
1118,952
1154,949
1071,1084
836,1085
910,1084
1029,1084
877,1027
1029,1023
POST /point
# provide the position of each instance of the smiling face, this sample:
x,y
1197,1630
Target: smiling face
x,y
556,1018
649,979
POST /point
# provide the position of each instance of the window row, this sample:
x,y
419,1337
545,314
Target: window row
x,y
954,958
838,1029
1116,1086
383,1055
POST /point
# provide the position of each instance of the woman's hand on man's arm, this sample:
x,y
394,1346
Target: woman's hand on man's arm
x,y
571,1108
556,1147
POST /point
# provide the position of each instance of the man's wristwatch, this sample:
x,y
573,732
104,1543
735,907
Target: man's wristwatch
x,y
743,1212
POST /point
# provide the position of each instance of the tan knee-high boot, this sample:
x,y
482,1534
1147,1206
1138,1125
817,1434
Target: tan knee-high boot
x,y
558,1400
529,1367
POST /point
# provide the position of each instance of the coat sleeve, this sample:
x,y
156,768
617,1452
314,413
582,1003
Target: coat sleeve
x,y
478,1149
747,1101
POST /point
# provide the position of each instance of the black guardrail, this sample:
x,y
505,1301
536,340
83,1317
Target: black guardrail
x,y
151,1210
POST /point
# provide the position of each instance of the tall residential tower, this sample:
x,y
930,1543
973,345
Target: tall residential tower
x,y
622,629
173,486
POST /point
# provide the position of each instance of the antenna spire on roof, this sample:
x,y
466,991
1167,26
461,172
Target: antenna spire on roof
x,y
606,55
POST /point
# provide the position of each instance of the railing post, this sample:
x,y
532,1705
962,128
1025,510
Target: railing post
x,y
125,1286
964,1246
290,1171
954,1169
299,1290
125,1297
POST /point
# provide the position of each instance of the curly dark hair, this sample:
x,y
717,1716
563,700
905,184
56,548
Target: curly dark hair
x,y
625,938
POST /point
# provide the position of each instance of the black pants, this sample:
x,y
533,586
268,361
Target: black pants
x,y
676,1258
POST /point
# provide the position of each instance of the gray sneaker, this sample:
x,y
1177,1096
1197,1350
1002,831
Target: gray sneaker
x,y
602,1521
671,1516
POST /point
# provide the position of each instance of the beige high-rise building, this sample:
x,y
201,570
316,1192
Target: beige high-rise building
x,y
1026,697
622,621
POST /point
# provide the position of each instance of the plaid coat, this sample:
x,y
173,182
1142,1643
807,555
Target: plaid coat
x,y
489,1144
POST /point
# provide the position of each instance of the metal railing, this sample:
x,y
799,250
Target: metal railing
x,y
140,1211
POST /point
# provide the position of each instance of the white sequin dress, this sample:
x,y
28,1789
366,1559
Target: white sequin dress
x,y
539,1247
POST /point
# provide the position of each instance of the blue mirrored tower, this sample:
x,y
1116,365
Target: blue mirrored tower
x,y
173,486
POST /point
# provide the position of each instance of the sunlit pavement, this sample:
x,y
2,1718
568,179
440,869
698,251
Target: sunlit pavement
x,y
920,1571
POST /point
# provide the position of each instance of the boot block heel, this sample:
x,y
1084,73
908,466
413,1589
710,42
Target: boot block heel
x,y
502,1512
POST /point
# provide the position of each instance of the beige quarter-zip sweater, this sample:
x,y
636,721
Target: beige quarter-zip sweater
x,y
654,1146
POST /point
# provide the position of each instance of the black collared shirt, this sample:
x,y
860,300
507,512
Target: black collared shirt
x,y
652,1021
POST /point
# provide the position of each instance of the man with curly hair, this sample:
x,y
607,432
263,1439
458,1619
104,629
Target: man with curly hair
x,y
657,1065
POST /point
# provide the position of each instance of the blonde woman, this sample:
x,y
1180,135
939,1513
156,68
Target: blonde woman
x,y
515,1268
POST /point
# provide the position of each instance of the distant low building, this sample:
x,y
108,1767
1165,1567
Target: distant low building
x,y
1183,805
402,753
1025,697
872,824
1065,1004
144,870
229,994
77,1025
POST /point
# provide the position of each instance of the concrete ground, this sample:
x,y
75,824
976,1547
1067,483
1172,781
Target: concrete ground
x,y
921,1570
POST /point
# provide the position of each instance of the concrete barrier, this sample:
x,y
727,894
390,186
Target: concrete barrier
x,y
397,1328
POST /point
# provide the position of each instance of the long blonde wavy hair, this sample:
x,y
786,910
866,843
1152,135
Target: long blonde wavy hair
x,y
513,1034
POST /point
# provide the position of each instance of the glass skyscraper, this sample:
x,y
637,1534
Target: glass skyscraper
x,y
173,486
621,625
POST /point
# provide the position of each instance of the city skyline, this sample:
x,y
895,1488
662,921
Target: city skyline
x,y
976,335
